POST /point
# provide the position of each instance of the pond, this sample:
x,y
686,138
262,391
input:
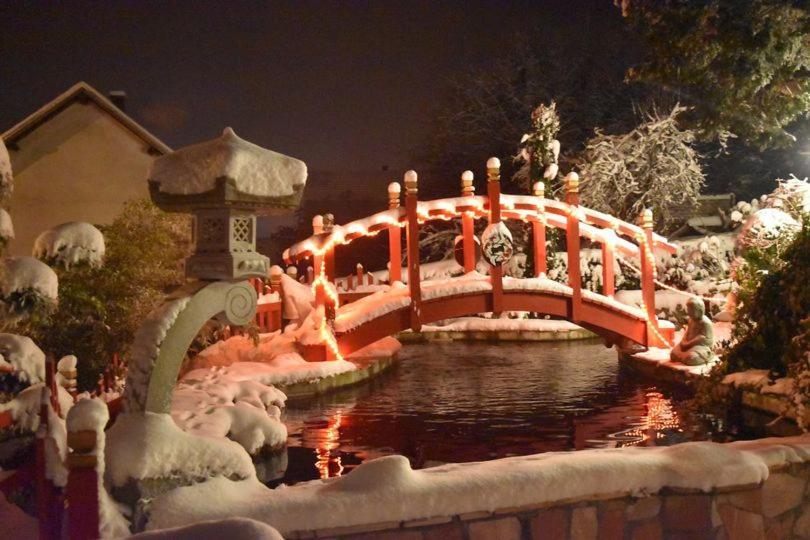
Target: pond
x,y
472,401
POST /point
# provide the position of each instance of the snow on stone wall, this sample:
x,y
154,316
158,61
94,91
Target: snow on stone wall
x,y
23,273
256,171
6,177
71,243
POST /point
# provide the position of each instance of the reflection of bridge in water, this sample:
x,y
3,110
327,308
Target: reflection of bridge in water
x,y
348,328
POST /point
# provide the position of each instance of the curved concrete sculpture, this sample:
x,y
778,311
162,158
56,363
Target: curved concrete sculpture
x,y
163,339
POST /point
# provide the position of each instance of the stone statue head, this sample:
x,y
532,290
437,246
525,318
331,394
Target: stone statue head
x,y
695,308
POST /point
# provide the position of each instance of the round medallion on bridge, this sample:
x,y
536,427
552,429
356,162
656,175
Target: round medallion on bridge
x,y
497,244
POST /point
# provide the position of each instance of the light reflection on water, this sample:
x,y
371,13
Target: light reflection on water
x,y
456,402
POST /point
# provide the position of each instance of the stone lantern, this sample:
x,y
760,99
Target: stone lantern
x,y
226,183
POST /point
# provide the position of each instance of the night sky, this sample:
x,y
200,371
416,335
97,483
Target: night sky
x,y
342,85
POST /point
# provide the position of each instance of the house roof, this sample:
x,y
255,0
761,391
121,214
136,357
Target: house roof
x,y
82,91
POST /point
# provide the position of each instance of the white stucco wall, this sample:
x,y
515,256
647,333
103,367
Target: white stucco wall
x,y
80,165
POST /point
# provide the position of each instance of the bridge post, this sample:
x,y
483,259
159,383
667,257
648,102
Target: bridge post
x,y
647,255
494,195
608,262
572,245
329,254
468,223
318,264
394,237
414,284
539,234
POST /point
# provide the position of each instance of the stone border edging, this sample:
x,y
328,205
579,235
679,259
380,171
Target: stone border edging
x,y
495,335
369,368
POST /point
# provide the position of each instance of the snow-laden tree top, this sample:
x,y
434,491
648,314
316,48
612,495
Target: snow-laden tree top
x,y
70,243
256,171
6,179
27,273
6,226
27,361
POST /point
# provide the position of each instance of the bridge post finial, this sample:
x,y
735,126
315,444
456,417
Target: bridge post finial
x,y
317,224
572,188
539,189
414,285
467,187
394,189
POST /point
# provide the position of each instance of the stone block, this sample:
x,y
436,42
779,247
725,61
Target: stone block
x,y
643,508
647,530
779,528
584,523
386,535
611,523
780,493
802,526
741,524
550,524
502,529
749,500
687,513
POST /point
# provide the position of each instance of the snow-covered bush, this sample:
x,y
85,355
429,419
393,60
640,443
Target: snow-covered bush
x,y
773,300
6,178
539,150
29,291
653,166
101,307
69,244
6,228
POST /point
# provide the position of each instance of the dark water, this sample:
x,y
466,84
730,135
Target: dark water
x,y
473,401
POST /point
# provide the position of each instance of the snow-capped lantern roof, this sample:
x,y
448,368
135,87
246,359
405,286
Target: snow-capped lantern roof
x,y
71,243
23,273
6,226
227,171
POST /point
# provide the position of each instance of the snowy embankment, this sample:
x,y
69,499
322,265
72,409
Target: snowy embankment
x,y
388,490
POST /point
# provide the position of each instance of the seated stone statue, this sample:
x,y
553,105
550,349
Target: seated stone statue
x,y
697,345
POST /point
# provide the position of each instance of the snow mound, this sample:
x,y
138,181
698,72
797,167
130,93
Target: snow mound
x,y
71,243
151,445
6,226
25,406
226,402
88,415
244,529
256,171
27,273
22,357
297,299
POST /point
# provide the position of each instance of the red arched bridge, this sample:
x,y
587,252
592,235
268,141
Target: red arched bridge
x,y
410,302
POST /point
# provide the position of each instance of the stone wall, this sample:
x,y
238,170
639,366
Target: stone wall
x,y
776,509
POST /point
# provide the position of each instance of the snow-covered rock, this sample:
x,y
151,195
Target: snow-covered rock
x,y
151,445
256,171
71,243
27,273
21,356
6,226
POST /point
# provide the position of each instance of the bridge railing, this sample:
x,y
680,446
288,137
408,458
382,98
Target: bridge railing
x,y
613,235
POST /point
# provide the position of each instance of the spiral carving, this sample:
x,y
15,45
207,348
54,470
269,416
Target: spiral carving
x,y
240,304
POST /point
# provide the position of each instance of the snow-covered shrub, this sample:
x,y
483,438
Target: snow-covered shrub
x,y
101,307
69,244
6,228
22,364
653,166
539,150
773,300
29,291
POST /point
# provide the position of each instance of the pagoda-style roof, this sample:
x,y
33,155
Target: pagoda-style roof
x,y
227,172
